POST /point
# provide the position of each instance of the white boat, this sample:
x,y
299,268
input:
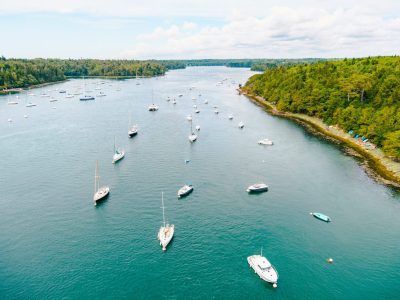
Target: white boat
x,y
205,101
133,131
189,118
197,111
174,101
241,125
194,99
100,193
101,94
153,107
230,117
198,127
192,137
118,154
11,102
216,111
166,232
180,95
69,96
9,120
264,269
266,142
30,104
53,100
257,188
62,91
195,106
185,190
86,98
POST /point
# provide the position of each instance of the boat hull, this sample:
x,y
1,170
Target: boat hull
x,y
185,193
256,190
101,195
165,235
132,133
270,275
321,217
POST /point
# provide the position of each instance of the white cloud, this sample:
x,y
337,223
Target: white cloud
x,y
283,32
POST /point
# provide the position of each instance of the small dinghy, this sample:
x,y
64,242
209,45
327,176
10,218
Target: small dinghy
x,y
198,127
216,111
197,111
266,142
86,98
230,117
205,101
321,217
257,188
264,269
189,117
241,125
185,190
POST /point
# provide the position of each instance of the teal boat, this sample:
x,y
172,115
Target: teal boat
x,y
321,217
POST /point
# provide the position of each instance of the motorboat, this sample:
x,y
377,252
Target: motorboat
x,y
118,154
266,142
230,117
195,106
189,118
62,91
133,131
216,111
174,101
197,111
241,125
30,104
185,190
264,269
11,102
153,107
321,217
100,193
180,95
205,101
86,98
198,127
69,96
53,100
166,232
257,188
101,94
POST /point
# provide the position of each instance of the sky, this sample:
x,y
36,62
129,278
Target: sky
x,y
179,29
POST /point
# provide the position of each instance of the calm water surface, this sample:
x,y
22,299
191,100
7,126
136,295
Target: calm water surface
x,y
55,244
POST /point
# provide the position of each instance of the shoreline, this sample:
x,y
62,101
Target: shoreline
x,y
373,160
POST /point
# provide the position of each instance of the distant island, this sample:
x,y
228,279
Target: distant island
x,y
356,100
23,73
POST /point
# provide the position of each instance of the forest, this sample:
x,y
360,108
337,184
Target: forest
x,y
15,73
362,95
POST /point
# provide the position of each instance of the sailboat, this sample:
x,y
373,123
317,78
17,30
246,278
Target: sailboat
x,y
85,96
30,103
166,232
100,193
137,82
11,102
118,154
133,130
192,136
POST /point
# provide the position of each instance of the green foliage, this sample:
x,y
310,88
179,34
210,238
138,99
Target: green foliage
x,y
357,94
26,72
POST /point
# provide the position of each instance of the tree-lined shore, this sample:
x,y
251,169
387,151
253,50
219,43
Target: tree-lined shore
x,y
360,96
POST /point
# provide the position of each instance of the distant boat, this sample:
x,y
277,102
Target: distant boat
x,y
166,232
189,117
264,269
195,106
266,142
118,154
100,193
230,117
62,91
321,217
257,188
153,107
192,136
174,101
241,125
101,94
133,130
11,102
86,98
185,190
30,104
180,95
53,100
197,111
9,120
205,101
69,96
198,127
216,111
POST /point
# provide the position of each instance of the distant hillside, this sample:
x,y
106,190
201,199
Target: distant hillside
x,y
362,95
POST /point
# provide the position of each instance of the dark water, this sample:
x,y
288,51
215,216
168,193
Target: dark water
x,y
55,244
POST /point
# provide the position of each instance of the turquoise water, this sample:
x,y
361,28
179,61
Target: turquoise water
x,y
55,244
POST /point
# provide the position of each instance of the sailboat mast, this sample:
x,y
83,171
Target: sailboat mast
x,y
163,208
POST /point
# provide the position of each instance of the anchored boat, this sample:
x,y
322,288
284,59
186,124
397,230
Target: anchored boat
x,y
257,188
166,232
264,269
266,142
100,193
321,217
185,190
118,154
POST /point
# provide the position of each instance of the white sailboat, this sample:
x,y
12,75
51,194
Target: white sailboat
x,y
166,232
133,129
100,193
86,97
118,154
192,136
11,102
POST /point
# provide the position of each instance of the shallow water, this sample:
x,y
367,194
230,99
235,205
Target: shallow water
x,y
54,243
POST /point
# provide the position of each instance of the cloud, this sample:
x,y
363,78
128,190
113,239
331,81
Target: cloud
x,y
283,32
